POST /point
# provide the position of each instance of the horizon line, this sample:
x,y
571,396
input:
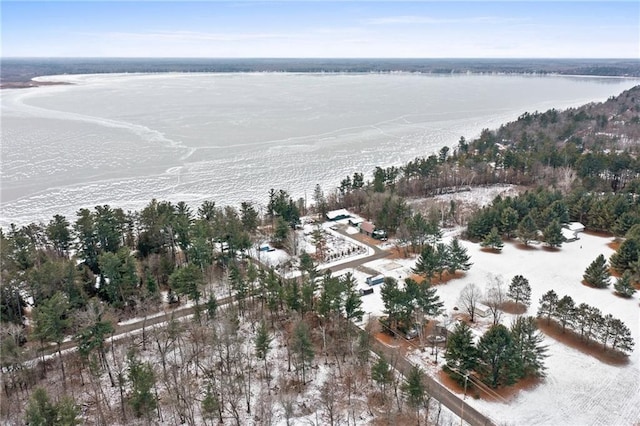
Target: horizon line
x,y
329,57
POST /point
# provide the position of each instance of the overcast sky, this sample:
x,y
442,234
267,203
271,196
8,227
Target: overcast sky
x,y
342,29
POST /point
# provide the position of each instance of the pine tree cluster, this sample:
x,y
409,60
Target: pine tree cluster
x,y
502,356
587,321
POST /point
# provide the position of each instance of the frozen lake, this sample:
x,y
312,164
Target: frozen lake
x,y
123,139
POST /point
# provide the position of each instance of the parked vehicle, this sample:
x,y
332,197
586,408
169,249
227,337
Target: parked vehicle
x,y
365,291
380,234
373,280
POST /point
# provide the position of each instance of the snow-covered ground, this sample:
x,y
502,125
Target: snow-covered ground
x,y
578,389
339,248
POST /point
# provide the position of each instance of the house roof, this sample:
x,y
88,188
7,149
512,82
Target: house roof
x,y
338,214
569,234
575,226
367,227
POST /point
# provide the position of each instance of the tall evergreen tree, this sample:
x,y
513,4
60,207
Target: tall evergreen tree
x,y
302,348
459,260
427,263
520,290
597,274
188,281
498,363
619,335
461,356
262,345
565,312
392,298
352,300
381,374
425,297
210,405
59,234
548,305
121,279
492,240
528,347
40,410
86,239
443,259
624,285
51,323
552,234
527,230
248,216
558,211
587,321
627,254
142,379
415,390
509,221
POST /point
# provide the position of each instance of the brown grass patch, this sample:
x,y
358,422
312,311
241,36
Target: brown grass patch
x,y
551,249
417,278
526,247
614,245
573,340
491,250
514,308
620,296
398,341
486,393
365,239
398,253
387,339
586,284
446,277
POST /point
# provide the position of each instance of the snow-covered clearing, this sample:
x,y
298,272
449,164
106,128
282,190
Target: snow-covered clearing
x,y
578,389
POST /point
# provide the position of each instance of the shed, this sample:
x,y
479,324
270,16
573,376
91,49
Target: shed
x,y
482,310
575,227
338,214
355,221
367,228
569,235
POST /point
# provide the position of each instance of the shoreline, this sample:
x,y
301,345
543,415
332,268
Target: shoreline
x,y
31,83
41,80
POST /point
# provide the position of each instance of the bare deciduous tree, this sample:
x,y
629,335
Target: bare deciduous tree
x,y
469,299
329,400
495,296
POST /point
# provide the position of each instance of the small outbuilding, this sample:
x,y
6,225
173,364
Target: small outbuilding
x,y
575,227
367,228
569,235
482,310
571,230
356,221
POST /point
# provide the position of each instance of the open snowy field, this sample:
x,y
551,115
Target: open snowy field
x,y
578,389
